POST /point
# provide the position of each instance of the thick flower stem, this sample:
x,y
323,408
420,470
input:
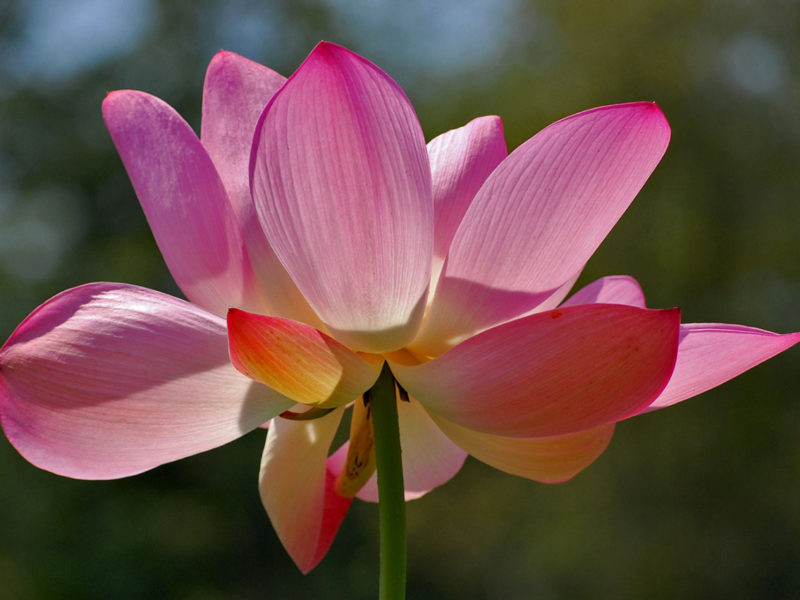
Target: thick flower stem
x,y
392,506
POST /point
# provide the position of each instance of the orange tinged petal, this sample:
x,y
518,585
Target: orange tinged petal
x,y
296,487
551,459
299,361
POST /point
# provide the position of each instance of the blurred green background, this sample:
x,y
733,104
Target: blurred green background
x,y
698,501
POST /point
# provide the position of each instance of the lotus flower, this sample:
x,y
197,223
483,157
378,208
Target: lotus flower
x,y
317,238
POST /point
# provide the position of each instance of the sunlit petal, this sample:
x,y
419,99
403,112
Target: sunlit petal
x,y
341,182
234,96
184,201
298,360
540,215
296,486
461,160
546,459
108,380
614,289
710,354
551,373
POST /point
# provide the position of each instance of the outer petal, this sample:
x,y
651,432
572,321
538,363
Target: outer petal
x,y
296,487
341,182
710,354
546,459
235,94
540,216
461,160
184,201
614,289
430,459
299,361
551,373
108,380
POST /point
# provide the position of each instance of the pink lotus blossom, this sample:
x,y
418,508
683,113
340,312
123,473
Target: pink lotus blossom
x,y
311,214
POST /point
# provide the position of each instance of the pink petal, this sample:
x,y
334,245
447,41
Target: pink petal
x,y
299,361
540,216
430,459
184,201
461,160
710,354
108,380
545,459
235,94
551,373
296,487
341,181
614,289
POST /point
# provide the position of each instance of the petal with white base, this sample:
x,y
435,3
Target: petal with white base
x,y
108,380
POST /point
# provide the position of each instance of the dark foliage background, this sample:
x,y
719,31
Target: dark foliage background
x,y
699,501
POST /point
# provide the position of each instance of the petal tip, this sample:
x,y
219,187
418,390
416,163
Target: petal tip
x,y
219,61
224,59
331,47
119,106
655,112
645,111
222,55
651,113
332,55
112,99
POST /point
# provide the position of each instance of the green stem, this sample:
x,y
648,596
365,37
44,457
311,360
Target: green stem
x,y
392,505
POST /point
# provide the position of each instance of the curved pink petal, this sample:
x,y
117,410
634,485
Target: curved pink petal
x,y
234,96
461,160
710,354
235,93
341,181
614,289
108,380
184,201
296,487
430,459
299,361
551,373
540,216
551,459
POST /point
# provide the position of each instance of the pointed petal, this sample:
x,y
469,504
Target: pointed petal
x,y
540,216
235,93
430,459
551,373
341,181
710,354
545,459
296,487
108,380
234,96
299,361
461,160
614,289
184,201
